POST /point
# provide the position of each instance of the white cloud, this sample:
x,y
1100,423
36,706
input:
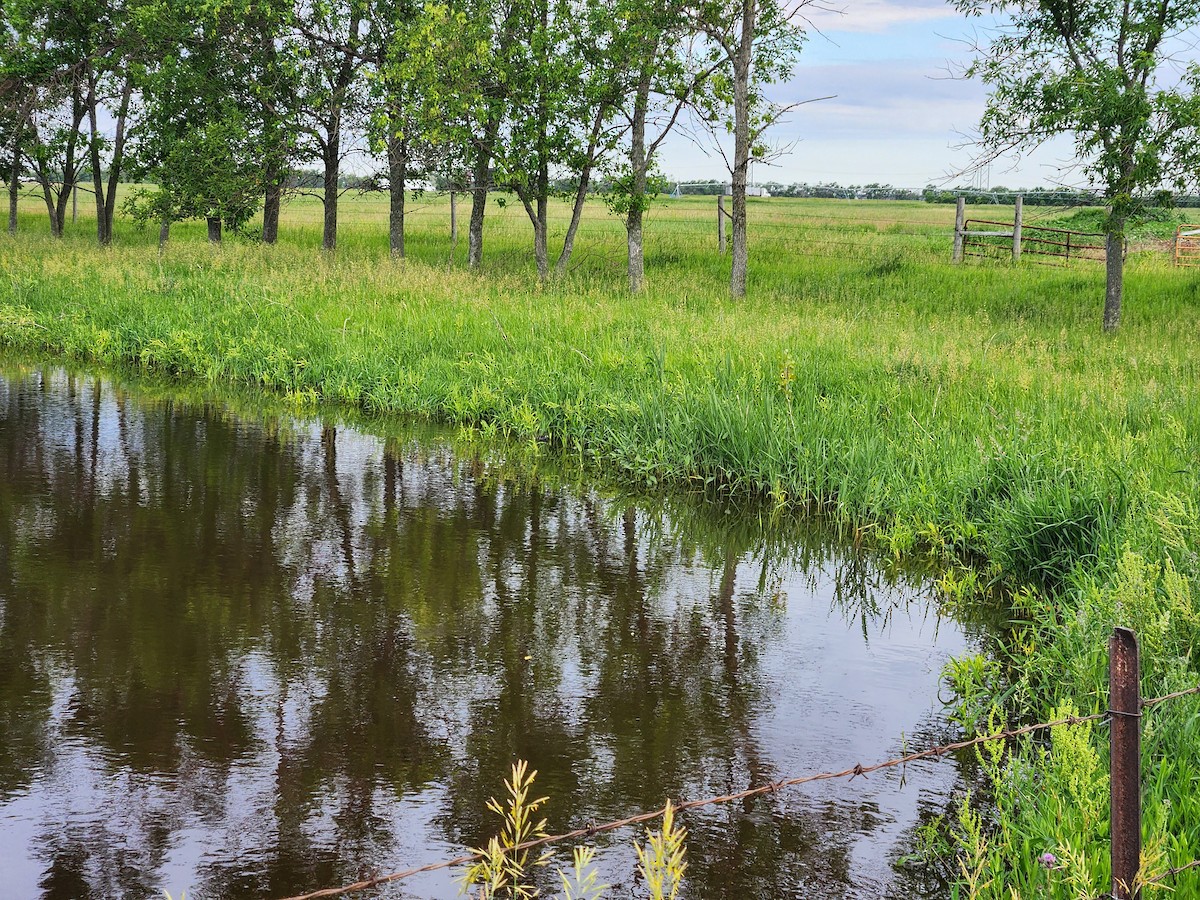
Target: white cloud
x,y
876,16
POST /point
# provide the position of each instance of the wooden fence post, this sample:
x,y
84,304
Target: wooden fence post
x,y
960,221
721,223
1017,216
1125,763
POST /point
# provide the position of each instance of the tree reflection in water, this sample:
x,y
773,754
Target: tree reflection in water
x,y
247,655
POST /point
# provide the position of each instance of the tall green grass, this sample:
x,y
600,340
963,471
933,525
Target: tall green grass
x,y
975,414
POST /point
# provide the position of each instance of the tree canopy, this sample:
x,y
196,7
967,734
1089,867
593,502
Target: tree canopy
x,y
1118,78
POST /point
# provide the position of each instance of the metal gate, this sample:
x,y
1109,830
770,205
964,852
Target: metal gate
x,y
1187,245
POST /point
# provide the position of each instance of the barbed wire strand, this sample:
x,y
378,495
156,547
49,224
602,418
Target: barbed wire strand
x,y
1170,873
590,830
770,788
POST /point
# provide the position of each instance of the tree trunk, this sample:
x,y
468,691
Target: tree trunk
x,y
70,167
118,160
14,187
585,176
537,212
164,233
214,229
397,149
568,247
276,181
637,189
633,239
60,209
741,149
541,253
48,196
475,226
271,204
94,154
481,179
332,165
1114,264
741,154
275,178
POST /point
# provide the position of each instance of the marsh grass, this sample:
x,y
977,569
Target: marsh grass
x,y
974,415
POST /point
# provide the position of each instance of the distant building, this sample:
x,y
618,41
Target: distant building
x,y
752,190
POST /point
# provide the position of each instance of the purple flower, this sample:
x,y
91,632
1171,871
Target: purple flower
x,y
1049,860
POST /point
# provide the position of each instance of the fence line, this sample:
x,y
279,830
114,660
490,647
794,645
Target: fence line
x,y
1019,237
1133,717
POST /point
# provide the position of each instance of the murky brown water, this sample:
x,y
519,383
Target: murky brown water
x,y
247,656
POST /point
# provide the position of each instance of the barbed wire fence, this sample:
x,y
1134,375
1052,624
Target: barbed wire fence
x,y
1124,715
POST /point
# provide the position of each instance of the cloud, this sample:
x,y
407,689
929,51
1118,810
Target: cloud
x,y
877,16
880,98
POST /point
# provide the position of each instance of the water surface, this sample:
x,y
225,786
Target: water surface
x,y
249,655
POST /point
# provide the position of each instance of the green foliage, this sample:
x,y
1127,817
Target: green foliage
x,y
504,871
1105,75
661,861
974,681
582,883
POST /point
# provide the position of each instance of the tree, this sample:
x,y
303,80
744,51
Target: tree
x,y
394,121
542,82
331,50
47,71
1108,74
568,79
666,71
54,146
101,33
274,95
603,83
21,69
757,43
73,56
202,136
456,67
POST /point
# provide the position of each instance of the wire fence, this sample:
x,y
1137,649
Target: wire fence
x,y
1126,708
1036,240
860,230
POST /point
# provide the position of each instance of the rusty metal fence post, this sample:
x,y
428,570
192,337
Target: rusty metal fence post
x,y
1125,762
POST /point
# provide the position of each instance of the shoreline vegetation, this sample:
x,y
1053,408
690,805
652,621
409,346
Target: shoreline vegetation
x,y
973,415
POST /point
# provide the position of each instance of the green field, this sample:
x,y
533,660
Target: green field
x,y
975,414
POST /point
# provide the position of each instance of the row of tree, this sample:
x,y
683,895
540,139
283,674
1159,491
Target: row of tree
x,y
1054,196
219,102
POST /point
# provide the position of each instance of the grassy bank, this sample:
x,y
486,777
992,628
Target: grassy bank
x,y
974,413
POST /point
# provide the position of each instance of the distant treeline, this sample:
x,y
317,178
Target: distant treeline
x,y
1041,196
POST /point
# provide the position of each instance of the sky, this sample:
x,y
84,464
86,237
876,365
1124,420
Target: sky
x,y
898,116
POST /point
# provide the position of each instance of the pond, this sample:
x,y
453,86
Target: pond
x,y
245,653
